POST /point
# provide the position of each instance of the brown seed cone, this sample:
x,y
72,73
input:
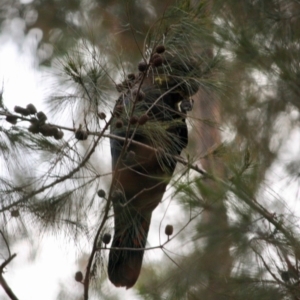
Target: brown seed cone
x,y
102,115
41,116
31,109
119,124
54,131
285,276
81,135
160,49
142,66
12,119
155,56
47,130
79,276
133,120
15,213
106,238
143,119
22,111
59,135
157,62
34,128
169,230
34,121
101,193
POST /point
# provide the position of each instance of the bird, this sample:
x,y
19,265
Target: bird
x,y
147,113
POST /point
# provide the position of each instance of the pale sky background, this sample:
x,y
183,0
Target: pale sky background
x,y
55,263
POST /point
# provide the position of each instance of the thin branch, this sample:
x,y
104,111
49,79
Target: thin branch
x,y
3,282
86,282
63,178
6,262
228,185
154,247
6,243
140,193
171,259
134,249
176,157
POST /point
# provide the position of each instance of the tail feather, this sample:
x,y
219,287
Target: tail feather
x,y
124,266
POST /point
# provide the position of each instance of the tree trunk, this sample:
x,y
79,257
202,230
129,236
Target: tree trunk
x,y
216,260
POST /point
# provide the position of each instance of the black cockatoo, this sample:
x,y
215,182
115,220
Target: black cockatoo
x,y
151,104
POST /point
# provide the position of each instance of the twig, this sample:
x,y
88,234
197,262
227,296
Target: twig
x,y
63,178
176,157
3,282
134,249
6,243
229,186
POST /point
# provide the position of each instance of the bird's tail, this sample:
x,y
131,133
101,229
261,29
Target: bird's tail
x,y
124,265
